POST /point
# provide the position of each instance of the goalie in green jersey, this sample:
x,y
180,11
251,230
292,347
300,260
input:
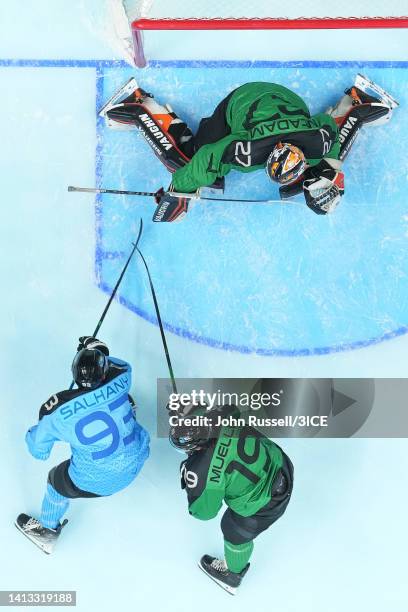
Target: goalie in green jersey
x,y
237,466
257,126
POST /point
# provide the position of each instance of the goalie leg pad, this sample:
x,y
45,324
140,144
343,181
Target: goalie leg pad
x,y
364,91
358,116
166,133
341,109
373,111
357,108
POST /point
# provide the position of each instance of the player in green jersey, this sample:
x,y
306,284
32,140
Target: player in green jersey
x,y
257,126
245,470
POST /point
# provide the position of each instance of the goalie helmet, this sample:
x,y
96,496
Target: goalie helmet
x,y
89,368
186,437
285,164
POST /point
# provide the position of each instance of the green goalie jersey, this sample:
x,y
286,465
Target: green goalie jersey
x,y
258,116
238,467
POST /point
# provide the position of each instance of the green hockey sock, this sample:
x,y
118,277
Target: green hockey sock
x,y
237,555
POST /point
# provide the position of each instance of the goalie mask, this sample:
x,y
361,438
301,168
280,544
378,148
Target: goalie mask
x,y
285,164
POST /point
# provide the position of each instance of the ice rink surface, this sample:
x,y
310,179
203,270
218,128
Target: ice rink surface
x,y
342,543
297,283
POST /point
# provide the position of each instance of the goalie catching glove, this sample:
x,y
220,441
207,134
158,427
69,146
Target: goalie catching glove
x,y
171,207
323,188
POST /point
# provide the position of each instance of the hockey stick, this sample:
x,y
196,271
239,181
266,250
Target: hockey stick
x,y
119,280
113,191
193,196
116,287
159,320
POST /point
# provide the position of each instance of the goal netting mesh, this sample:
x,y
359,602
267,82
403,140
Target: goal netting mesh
x,y
136,16
261,9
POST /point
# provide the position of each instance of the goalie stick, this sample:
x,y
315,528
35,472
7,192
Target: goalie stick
x,y
194,196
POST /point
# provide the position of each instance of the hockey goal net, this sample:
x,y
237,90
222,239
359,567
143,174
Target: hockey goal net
x,y
133,17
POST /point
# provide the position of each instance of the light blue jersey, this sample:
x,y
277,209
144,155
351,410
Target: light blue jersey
x,y
108,446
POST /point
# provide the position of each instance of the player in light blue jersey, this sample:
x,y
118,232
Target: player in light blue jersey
x,y
97,419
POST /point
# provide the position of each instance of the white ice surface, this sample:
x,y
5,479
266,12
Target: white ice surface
x,y
341,546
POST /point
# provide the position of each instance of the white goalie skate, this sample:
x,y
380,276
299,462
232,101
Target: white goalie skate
x,y
369,87
124,92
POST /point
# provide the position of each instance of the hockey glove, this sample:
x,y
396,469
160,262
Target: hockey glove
x,y
89,342
170,207
323,188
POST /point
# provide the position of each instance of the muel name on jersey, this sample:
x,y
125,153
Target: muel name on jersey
x,y
222,452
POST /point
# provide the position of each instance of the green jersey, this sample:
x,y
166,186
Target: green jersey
x,y
258,116
238,468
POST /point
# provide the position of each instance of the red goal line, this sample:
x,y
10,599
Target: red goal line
x,y
300,23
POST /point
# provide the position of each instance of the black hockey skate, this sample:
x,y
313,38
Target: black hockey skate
x,y
40,536
369,108
359,96
365,102
219,572
129,93
364,85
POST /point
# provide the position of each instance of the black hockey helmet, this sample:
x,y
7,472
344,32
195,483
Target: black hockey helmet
x,y
286,163
187,437
89,368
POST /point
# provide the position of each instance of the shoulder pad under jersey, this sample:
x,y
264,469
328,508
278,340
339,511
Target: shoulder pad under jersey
x,y
59,399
